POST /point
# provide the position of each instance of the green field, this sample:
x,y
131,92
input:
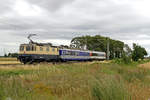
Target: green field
x,y
74,81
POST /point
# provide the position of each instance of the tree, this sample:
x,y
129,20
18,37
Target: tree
x,y
126,57
98,43
127,50
5,55
138,52
12,54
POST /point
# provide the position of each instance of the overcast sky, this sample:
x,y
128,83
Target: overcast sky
x,y
57,21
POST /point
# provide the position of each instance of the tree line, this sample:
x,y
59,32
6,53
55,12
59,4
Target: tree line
x,y
11,55
99,43
117,49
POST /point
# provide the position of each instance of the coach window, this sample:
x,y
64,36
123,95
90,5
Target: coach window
x,y
76,53
94,54
67,53
47,49
63,52
72,52
41,49
101,54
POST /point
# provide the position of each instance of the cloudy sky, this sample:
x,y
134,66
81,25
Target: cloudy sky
x,y
57,21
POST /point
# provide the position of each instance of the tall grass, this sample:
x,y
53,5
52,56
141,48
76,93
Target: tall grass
x,y
108,88
8,59
79,81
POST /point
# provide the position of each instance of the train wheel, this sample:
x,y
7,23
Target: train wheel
x,y
24,62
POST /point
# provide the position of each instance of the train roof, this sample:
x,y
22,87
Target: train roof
x,y
98,52
75,50
83,50
41,44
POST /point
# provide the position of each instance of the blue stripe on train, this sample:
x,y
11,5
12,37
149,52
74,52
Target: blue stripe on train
x,y
74,59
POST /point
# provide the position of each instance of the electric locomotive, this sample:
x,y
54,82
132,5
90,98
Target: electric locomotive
x,y
38,52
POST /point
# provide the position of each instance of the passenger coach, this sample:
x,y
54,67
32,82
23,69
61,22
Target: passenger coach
x,y
74,55
80,55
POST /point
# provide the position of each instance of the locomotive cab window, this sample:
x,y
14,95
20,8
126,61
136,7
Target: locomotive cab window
x,y
41,49
28,48
32,48
47,49
53,49
21,48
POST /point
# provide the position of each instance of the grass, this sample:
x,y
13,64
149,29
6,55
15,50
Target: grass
x,y
8,60
109,88
78,81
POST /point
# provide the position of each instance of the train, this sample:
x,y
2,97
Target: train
x,y
45,52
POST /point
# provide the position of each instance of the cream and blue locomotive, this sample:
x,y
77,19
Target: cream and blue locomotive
x,y
35,52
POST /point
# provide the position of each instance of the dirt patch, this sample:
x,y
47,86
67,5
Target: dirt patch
x,y
146,65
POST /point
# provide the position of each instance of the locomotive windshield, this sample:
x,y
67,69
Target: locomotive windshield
x,y
30,48
21,48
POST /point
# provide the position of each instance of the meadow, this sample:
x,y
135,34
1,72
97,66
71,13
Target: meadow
x,y
7,61
75,81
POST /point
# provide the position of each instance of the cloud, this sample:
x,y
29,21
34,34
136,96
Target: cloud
x,y
5,5
56,20
52,5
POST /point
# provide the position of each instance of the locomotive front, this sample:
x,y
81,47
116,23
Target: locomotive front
x,y
34,52
25,52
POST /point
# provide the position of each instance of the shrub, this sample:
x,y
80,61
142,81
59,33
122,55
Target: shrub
x,y
126,59
117,61
123,60
138,52
132,75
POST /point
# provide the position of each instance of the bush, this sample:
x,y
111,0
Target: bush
x,y
133,75
138,52
123,60
126,59
117,61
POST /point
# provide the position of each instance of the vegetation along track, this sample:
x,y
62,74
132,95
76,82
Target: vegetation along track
x,y
12,61
74,81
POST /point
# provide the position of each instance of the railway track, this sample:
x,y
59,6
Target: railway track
x,y
44,63
56,63
10,65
